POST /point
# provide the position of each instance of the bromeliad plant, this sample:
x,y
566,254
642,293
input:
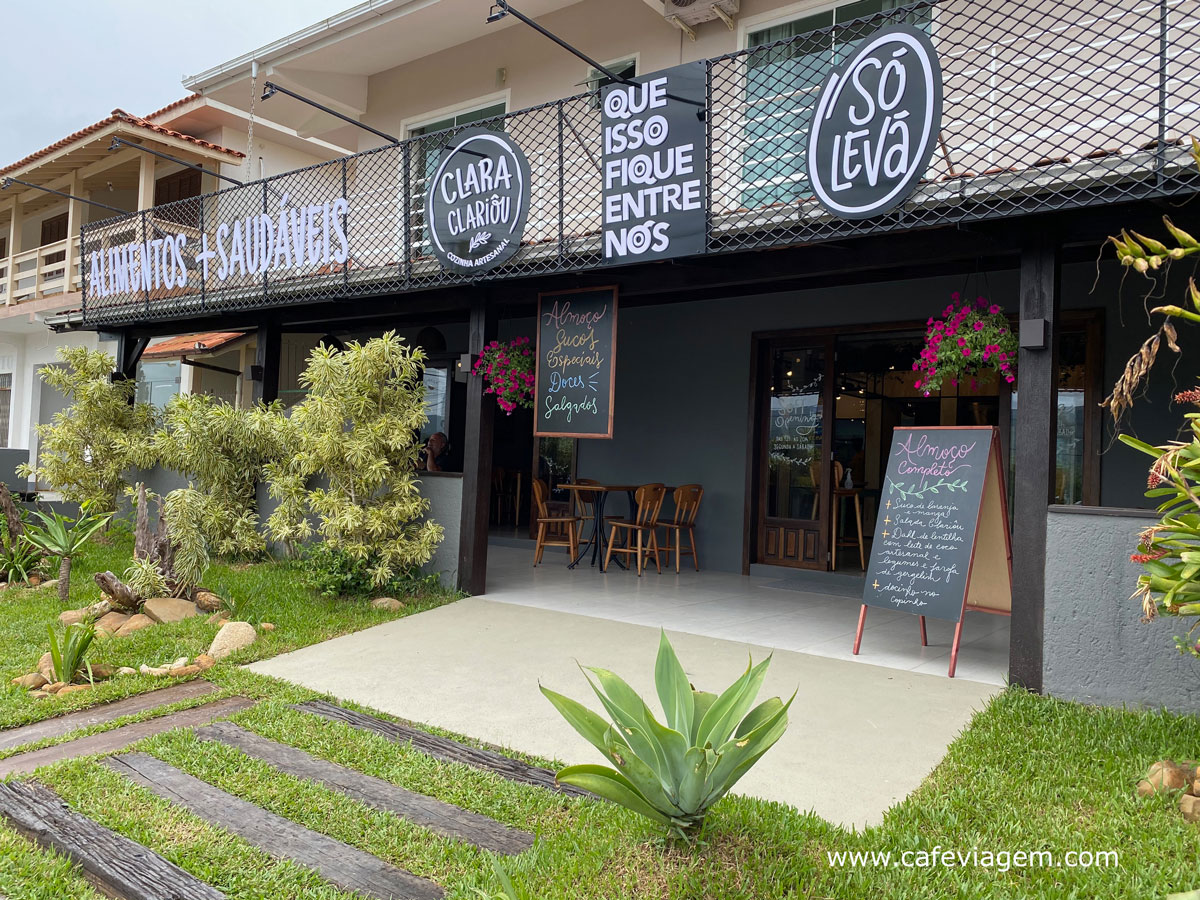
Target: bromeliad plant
x,y
64,537
967,340
509,370
672,773
1170,551
68,657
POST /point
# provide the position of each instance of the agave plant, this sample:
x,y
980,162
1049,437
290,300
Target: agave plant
x,y
18,559
68,657
673,773
63,537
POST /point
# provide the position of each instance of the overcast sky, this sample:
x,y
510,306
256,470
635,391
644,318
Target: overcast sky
x,y
68,63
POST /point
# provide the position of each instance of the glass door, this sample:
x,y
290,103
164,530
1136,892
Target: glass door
x,y
795,463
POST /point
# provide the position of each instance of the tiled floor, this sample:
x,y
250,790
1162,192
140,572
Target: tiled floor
x,y
784,612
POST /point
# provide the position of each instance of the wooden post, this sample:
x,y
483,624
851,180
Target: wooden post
x,y
266,362
477,460
74,222
1034,449
146,181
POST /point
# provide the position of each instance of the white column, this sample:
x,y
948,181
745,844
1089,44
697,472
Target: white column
x,y
146,181
14,247
74,220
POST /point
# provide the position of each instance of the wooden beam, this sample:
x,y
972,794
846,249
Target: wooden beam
x,y
443,749
112,862
1034,449
340,864
443,818
477,459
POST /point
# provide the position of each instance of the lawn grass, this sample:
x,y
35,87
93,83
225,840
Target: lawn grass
x,y
266,592
1028,773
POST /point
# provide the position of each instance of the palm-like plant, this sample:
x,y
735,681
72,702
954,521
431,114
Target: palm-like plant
x,y
68,657
63,537
673,773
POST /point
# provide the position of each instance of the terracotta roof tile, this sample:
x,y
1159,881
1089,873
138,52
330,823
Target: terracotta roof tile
x,y
185,344
119,115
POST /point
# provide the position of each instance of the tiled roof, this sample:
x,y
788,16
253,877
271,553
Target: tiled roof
x,y
119,115
185,344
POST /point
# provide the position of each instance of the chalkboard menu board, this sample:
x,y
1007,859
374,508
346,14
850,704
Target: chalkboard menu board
x,y
941,535
576,363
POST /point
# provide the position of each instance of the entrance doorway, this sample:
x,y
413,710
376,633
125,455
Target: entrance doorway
x,y
827,405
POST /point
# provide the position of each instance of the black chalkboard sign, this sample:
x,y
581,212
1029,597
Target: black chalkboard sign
x,y
576,363
930,527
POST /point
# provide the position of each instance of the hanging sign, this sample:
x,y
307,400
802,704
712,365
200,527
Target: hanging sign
x,y
478,201
576,364
654,165
941,542
876,124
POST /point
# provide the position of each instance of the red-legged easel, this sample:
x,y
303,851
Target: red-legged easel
x,y
991,558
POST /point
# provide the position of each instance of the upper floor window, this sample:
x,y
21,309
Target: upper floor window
x,y
182,185
597,80
781,88
54,229
457,120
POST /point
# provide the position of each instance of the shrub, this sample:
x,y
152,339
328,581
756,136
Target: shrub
x,y
68,658
85,450
358,430
673,773
221,449
335,573
146,579
18,558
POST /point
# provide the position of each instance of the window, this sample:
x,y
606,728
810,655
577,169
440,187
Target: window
x,y
158,382
596,80
5,405
437,402
781,89
181,185
54,229
426,157
3,246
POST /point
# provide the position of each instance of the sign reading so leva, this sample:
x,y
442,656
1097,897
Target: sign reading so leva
x,y
876,123
478,201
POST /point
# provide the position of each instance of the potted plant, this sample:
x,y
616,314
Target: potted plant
x,y
969,339
508,369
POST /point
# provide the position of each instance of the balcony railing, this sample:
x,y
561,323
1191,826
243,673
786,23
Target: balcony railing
x,y
1048,105
41,272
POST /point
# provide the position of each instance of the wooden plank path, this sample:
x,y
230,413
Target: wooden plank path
x,y
104,712
119,738
344,866
116,865
443,818
444,749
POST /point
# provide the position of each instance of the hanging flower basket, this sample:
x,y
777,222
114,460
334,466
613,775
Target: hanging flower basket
x,y
969,339
508,370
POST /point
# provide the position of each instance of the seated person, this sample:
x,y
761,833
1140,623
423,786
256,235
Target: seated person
x,y
436,455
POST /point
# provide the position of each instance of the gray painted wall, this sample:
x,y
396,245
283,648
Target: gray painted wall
x,y
1097,649
444,493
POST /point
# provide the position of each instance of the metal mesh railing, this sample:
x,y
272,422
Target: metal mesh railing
x,y
1048,105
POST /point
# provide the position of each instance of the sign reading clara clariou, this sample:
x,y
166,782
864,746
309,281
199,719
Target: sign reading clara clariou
x,y
478,201
876,123
654,165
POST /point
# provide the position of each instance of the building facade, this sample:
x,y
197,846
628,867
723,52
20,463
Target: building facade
x,y
768,354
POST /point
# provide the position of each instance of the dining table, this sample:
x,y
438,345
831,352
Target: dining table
x,y
599,538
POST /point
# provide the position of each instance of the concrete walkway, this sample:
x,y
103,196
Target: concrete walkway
x,y
861,737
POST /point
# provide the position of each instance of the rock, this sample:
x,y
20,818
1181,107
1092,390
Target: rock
x,y
205,662
1190,807
101,671
73,688
55,687
267,626
1162,776
207,601
73,616
218,619
127,670
157,670
45,667
34,580
387,603
135,623
33,681
169,609
112,623
184,671
233,636
52,583
38,695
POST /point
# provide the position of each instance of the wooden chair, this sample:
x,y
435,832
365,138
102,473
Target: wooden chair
x,y
814,474
649,498
550,528
687,504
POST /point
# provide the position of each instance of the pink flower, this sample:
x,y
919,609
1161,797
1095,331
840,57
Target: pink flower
x,y
962,342
978,326
949,311
917,383
1010,379
954,296
966,351
915,365
994,309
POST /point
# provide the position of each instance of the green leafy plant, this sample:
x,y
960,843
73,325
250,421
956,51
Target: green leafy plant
x,y
18,559
85,451
673,773
146,579
508,891
240,610
68,657
63,537
186,511
357,430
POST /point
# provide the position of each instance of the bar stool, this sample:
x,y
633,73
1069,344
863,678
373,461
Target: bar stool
x,y
838,494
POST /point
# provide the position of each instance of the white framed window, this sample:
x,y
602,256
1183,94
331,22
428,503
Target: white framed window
x,y
457,115
6,384
625,67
